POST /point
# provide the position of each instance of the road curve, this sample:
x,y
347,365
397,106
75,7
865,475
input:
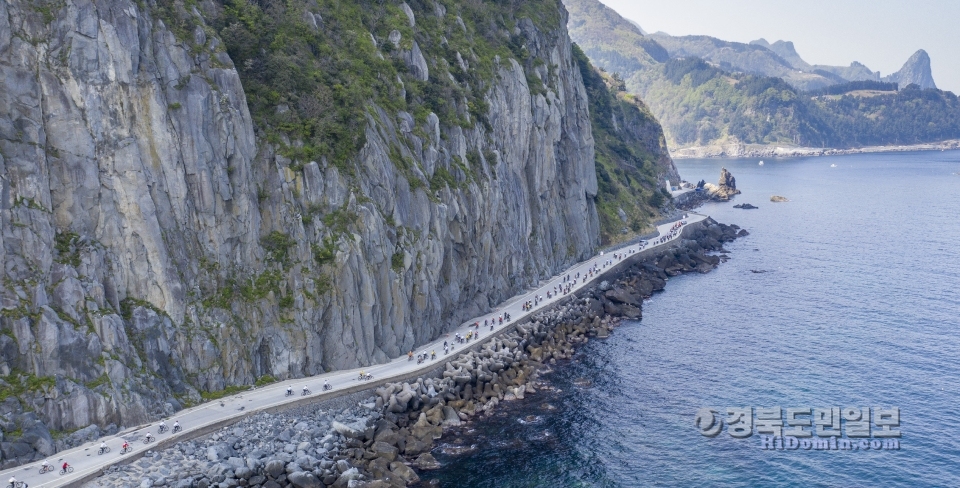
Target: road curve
x,y
212,415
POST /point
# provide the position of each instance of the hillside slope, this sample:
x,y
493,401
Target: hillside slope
x,y
703,105
748,58
631,155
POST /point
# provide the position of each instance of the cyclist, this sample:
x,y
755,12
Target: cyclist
x,y
65,465
305,390
103,447
289,390
176,425
149,437
126,445
326,385
13,481
163,426
46,465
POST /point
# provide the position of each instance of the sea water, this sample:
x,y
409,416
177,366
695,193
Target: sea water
x,y
845,296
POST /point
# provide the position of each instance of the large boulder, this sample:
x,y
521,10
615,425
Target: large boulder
x,y
220,452
275,468
404,472
302,479
384,450
426,461
623,295
347,476
413,445
351,431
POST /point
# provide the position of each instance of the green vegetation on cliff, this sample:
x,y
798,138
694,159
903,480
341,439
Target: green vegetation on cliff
x,y
311,69
630,154
316,72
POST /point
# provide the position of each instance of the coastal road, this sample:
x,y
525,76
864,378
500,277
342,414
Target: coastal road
x,y
200,418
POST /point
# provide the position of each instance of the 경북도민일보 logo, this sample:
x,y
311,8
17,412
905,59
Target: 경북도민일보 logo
x,y
805,428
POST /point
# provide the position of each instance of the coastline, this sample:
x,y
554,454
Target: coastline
x,y
204,418
737,150
387,436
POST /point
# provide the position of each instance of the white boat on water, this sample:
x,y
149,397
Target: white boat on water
x,y
761,163
833,166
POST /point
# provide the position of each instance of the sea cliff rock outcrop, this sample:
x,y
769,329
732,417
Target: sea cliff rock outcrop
x,y
725,188
157,243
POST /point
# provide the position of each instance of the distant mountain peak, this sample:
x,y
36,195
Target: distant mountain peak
x,y
915,71
635,24
787,51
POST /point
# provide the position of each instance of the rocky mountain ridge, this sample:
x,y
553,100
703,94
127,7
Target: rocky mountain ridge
x,y
710,95
780,59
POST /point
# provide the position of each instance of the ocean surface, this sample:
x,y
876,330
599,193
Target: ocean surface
x,y
845,296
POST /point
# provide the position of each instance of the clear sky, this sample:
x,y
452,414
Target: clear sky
x,y
881,34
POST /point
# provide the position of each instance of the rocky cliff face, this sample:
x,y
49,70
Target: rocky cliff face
x,y
916,70
155,246
124,159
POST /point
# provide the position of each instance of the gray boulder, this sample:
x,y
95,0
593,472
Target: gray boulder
x,y
302,479
275,468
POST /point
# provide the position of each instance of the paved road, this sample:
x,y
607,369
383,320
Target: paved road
x,y
86,461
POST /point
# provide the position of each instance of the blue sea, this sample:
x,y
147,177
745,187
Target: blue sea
x,y
845,296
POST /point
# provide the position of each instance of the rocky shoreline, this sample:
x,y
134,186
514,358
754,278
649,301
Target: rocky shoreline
x,y
734,151
382,439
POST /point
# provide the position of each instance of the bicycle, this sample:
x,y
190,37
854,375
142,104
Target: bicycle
x,y
65,471
177,428
365,377
147,440
126,449
162,429
103,450
305,393
327,387
289,393
19,484
44,469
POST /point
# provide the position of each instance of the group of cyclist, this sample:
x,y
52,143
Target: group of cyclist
x,y
423,356
565,287
306,390
103,449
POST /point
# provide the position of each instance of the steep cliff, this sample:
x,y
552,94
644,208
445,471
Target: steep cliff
x,y
198,195
916,71
125,158
631,155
